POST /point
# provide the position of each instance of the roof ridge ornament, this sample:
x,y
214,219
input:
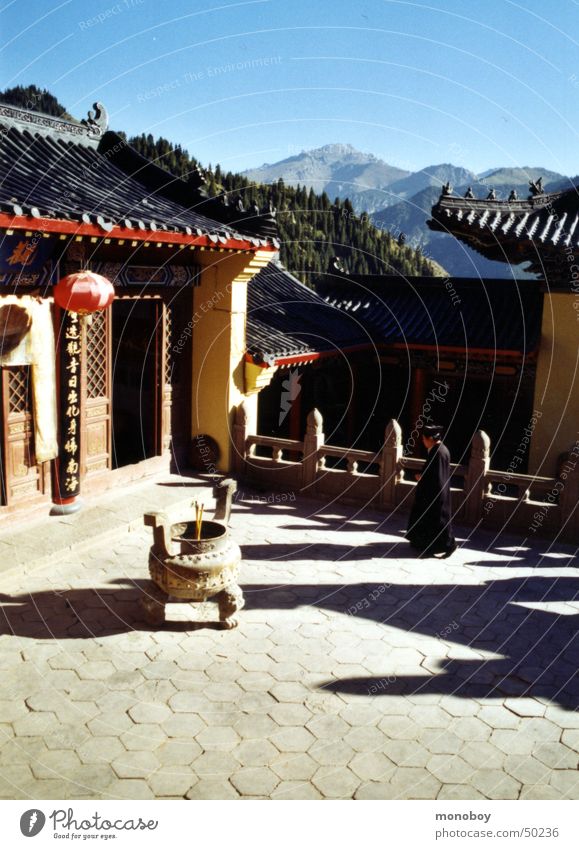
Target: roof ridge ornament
x,y
97,121
536,187
446,189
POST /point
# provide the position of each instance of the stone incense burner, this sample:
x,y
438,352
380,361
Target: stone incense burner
x,y
186,569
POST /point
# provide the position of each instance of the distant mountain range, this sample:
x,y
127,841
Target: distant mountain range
x,y
400,201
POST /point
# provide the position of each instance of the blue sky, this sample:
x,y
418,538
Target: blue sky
x,y
241,83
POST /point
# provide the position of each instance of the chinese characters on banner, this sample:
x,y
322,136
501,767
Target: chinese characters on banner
x,y
69,457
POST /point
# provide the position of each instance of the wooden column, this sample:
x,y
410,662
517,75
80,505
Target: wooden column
x,y
66,487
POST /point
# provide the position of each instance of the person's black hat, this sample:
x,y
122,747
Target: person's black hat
x,y
433,431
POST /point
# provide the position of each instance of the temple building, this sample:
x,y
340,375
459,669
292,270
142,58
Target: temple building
x,y
91,402
541,231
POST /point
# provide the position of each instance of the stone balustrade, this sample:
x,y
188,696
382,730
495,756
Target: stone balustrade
x,y
385,479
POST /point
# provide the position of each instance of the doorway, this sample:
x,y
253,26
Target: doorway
x,y
136,326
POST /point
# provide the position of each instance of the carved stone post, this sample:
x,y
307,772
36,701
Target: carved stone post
x,y
390,473
475,485
569,498
240,440
313,441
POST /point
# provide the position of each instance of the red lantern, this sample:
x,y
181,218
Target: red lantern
x,y
84,292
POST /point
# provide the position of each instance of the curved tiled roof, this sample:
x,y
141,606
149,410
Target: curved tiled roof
x,y
286,319
539,230
487,315
60,170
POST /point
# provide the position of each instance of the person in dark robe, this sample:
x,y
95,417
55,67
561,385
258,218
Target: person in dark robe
x,y
429,526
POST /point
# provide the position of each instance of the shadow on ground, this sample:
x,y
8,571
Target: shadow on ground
x,y
535,648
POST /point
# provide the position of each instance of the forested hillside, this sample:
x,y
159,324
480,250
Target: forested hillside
x,y
313,229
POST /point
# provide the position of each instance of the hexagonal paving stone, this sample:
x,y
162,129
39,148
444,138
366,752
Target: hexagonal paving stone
x,y
450,769
255,682
440,742
68,737
336,783
215,765
58,763
430,716
328,727
256,727
183,725
399,727
290,714
178,752
376,790
538,791
470,729
525,769
365,739
143,737
511,742
36,725
100,750
212,788
254,781
372,766
220,692
361,714
525,707
566,783
149,713
480,753
224,671
498,717
457,707
295,790
130,788
292,738
135,764
98,670
570,737
331,753
539,730
219,739
406,753
292,766
495,784
457,792
186,702
414,783
110,724
172,781
256,753
288,691
556,756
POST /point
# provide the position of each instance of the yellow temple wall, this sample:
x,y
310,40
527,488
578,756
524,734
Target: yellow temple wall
x,y
557,384
219,342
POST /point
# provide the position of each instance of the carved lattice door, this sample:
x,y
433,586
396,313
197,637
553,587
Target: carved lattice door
x,y
96,409
21,477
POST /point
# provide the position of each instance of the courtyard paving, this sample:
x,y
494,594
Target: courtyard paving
x,y
357,671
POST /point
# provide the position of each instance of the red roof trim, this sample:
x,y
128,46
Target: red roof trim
x,y
77,228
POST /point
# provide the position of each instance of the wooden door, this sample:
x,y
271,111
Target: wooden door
x,y
96,394
21,477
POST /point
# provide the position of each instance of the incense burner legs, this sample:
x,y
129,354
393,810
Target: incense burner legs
x,y
184,568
